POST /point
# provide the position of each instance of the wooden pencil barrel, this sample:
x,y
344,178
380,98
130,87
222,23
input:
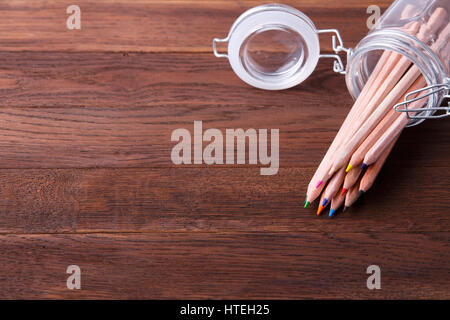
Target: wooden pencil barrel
x,y
397,31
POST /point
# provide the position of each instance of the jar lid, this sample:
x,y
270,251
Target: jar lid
x,y
272,47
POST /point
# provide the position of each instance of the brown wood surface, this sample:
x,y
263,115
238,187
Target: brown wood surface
x,y
86,176
154,26
83,109
216,265
207,200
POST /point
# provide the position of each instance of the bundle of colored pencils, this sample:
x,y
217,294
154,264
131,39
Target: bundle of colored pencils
x,y
372,126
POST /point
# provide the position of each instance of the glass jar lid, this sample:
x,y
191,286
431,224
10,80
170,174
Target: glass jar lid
x,y
272,47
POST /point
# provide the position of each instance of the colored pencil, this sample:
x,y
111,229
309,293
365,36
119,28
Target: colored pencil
x,y
320,176
372,172
410,81
387,95
351,196
336,203
372,126
333,186
350,178
322,205
395,129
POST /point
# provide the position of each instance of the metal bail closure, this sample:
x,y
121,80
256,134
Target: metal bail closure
x,y
413,105
276,47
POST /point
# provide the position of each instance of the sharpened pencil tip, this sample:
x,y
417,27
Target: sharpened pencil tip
x,y
360,193
325,201
319,210
319,184
364,166
306,204
331,213
349,167
344,190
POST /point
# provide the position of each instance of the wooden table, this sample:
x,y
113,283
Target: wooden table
x,y
86,176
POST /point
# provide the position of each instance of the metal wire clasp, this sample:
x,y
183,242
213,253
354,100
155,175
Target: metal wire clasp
x,y
337,47
417,113
216,53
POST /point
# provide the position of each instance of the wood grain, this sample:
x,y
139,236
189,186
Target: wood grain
x,y
86,176
55,79
154,26
212,265
63,110
210,200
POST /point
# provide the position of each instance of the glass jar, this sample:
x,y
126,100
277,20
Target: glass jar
x,y
276,47
411,28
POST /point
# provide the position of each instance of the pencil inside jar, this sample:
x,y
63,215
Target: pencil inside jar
x,y
391,62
